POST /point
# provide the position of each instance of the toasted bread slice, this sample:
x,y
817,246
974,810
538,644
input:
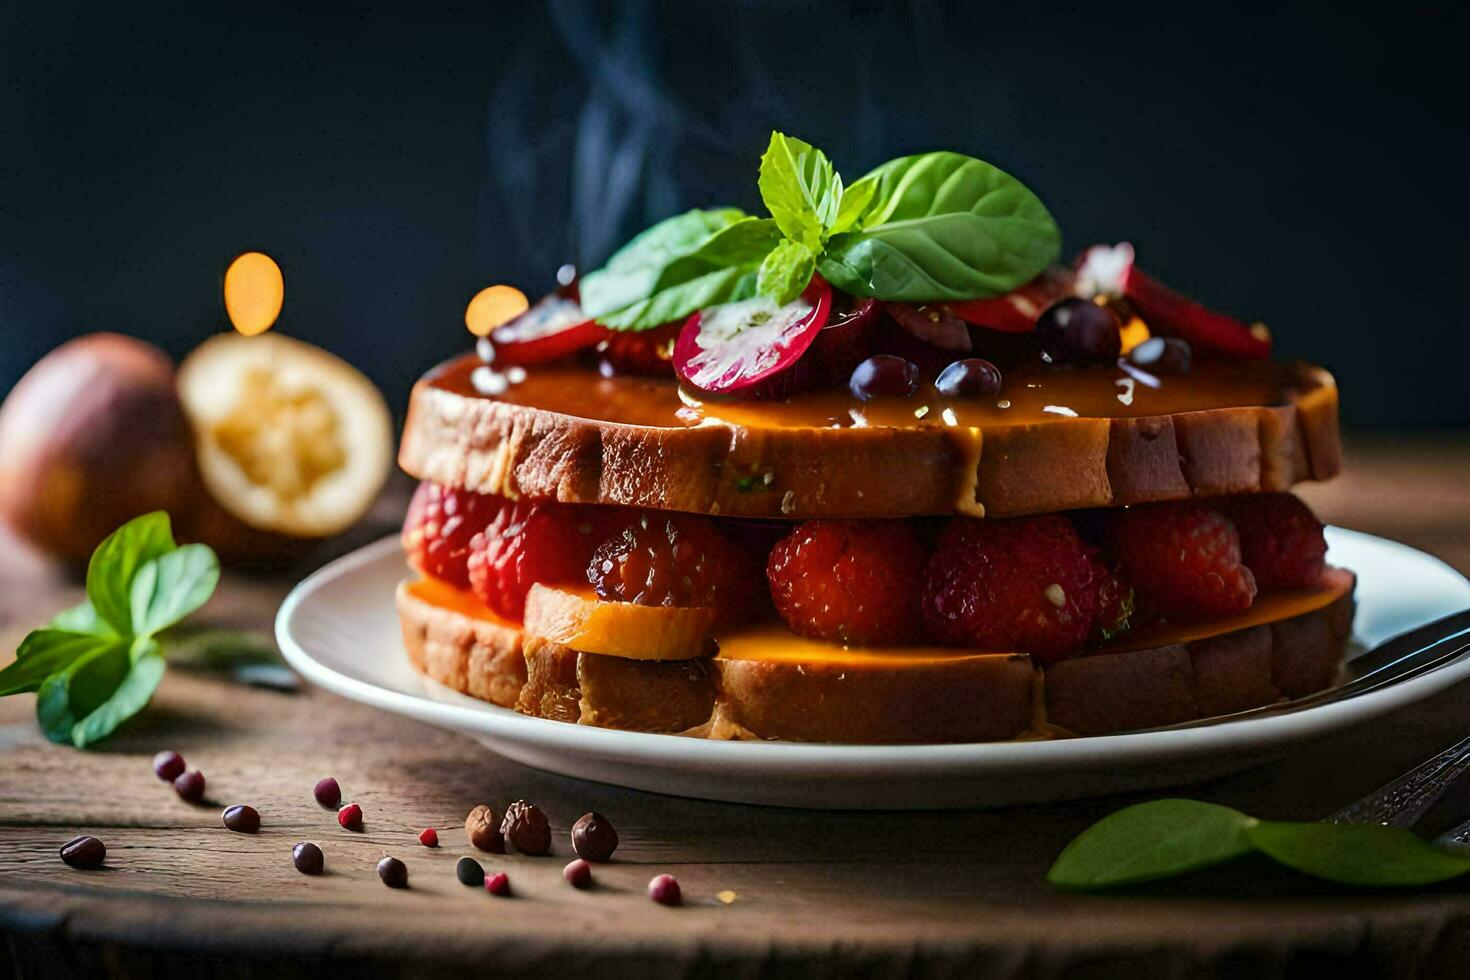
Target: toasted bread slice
x,y
457,438
800,691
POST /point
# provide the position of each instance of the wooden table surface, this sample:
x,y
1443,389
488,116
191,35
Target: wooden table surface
x,y
956,893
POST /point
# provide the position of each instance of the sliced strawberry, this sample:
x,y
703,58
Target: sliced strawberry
x,y
1018,310
553,328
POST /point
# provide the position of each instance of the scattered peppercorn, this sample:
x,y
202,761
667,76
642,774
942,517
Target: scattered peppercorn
x,y
328,793
429,837
469,872
242,819
498,884
308,858
350,817
168,766
526,827
664,890
393,872
594,838
190,786
578,874
84,852
480,827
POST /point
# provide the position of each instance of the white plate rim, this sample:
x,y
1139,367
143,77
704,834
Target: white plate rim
x,y
957,759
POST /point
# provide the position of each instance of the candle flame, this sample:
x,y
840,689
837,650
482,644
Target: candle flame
x,y
254,292
493,306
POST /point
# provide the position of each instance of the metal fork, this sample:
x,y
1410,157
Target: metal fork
x,y
1402,801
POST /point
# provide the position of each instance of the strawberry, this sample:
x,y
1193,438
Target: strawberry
x,y
528,542
440,524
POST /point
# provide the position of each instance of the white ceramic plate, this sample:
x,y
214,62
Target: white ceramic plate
x,y
339,629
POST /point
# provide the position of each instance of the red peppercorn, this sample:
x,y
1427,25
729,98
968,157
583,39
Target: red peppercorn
x,y
498,884
190,786
168,766
429,838
350,816
664,890
328,793
578,874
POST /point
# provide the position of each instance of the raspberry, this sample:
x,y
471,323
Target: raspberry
x,y
439,526
853,582
1281,540
526,543
647,352
659,559
1027,585
1182,559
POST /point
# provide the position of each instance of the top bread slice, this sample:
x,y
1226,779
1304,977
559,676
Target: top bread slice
x,y
491,446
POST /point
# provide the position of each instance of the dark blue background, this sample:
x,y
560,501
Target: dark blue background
x,y
1303,166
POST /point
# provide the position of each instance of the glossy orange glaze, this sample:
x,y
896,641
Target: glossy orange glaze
x,y
1035,395
771,641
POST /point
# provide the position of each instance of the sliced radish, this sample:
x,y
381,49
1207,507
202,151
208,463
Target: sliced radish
x,y
553,328
1018,310
730,349
1105,270
932,324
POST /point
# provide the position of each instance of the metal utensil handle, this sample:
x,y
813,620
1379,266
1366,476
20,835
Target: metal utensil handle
x,y
1403,801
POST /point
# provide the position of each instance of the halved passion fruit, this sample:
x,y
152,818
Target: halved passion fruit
x,y
291,440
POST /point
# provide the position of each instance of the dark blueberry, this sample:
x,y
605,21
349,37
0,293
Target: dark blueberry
x,y
883,375
974,377
469,872
84,852
393,872
1162,355
664,890
328,793
526,827
308,858
594,838
190,786
1079,331
242,819
578,874
168,766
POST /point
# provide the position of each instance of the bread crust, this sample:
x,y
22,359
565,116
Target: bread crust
x,y
986,697
491,446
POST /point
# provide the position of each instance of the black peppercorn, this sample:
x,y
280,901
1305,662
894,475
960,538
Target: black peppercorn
x,y
469,872
393,872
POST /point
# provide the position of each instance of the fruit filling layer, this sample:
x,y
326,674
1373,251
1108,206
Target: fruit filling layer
x,y
658,585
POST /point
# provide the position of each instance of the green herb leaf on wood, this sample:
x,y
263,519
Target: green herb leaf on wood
x,y
172,586
1150,841
1357,854
116,560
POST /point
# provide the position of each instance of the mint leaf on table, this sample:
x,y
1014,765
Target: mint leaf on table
x,y
785,272
943,226
1166,838
98,664
801,190
1150,841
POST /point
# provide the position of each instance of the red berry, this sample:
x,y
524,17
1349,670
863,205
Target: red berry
x,y
664,890
350,817
647,352
498,884
527,543
851,582
1027,585
659,559
327,793
190,786
1182,559
440,524
1281,540
168,766
429,837
578,874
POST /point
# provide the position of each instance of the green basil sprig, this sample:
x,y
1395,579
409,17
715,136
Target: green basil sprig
x,y
937,226
97,664
1165,838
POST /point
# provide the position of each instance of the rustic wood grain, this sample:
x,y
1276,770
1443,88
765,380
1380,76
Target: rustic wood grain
x,y
819,893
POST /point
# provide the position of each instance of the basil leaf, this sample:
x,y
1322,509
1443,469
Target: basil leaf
x,y
785,272
126,700
678,301
41,654
800,188
1150,841
116,560
855,202
1357,854
172,586
943,226
80,619
71,694
632,273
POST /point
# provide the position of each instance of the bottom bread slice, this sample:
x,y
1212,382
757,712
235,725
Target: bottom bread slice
x,y
883,698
